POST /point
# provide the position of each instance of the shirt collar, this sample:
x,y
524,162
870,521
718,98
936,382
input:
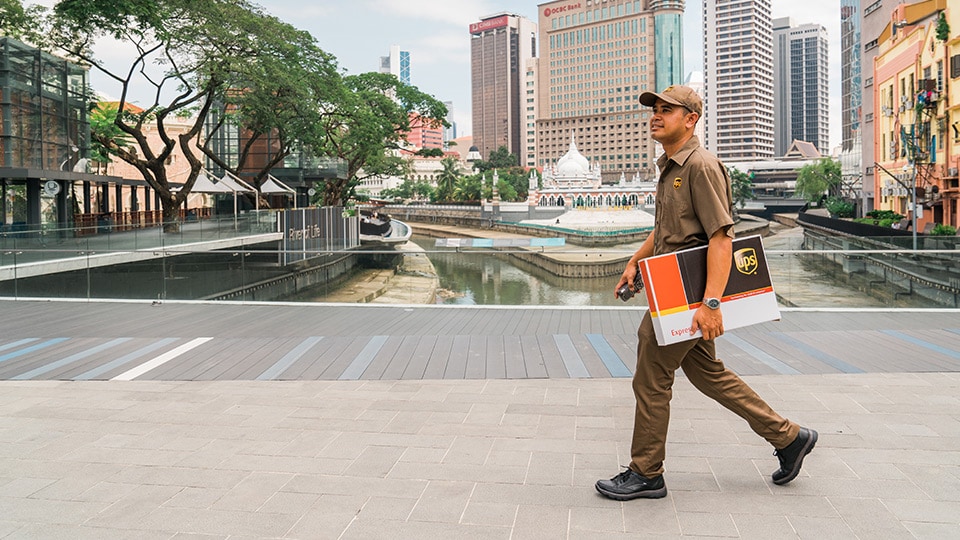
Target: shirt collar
x,y
680,157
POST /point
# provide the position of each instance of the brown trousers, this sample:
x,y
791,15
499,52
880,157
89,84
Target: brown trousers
x,y
653,387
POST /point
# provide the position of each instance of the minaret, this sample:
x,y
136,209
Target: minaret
x,y
533,189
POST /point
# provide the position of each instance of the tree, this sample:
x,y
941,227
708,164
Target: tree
x,y
429,152
103,121
281,99
501,158
203,49
818,179
742,185
517,178
367,126
468,188
447,179
410,189
20,23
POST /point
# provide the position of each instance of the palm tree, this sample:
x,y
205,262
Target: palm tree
x,y
447,179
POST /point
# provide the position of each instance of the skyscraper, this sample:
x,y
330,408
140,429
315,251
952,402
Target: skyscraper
x,y
738,79
851,90
596,59
398,63
801,94
500,45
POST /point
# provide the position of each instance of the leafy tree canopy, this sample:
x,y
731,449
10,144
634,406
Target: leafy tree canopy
x,y
742,185
501,158
447,179
20,23
367,126
818,179
192,55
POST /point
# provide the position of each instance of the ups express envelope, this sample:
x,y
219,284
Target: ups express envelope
x,y
674,284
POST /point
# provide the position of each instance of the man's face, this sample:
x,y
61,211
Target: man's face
x,y
670,122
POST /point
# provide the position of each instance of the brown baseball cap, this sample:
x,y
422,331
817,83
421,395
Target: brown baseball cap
x,y
683,96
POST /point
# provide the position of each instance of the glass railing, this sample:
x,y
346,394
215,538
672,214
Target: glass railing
x,y
20,246
807,271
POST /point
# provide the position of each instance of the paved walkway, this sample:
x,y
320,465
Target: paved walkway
x,y
489,457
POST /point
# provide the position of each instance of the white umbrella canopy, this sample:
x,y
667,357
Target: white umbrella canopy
x,y
205,185
234,182
274,186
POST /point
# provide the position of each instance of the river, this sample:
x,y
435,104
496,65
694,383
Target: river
x,y
486,278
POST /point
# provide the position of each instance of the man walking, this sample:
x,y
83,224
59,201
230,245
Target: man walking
x,y
693,208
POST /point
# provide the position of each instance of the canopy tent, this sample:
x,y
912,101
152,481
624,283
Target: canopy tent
x,y
205,185
273,186
234,183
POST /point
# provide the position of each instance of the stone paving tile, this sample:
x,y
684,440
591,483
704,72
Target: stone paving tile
x,y
504,459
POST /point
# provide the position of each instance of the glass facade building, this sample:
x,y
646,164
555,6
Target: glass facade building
x,y
45,133
43,107
668,41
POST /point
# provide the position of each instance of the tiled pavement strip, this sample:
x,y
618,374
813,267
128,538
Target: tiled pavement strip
x,y
484,458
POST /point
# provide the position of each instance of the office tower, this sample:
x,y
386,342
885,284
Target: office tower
x,y
596,59
449,133
424,134
530,113
738,79
801,94
851,99
500,45
397,63
695,81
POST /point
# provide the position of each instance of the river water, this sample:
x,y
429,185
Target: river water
x,y
486,278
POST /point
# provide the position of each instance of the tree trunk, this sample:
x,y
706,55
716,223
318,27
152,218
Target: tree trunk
x,y
171,214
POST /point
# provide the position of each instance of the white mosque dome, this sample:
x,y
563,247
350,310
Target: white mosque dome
x,y
573,163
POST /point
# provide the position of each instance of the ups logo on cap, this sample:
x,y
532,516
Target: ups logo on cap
x,y
746,260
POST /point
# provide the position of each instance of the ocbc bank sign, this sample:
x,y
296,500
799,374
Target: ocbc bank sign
x,y
549,12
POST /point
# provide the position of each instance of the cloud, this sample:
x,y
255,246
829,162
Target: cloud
x,y
459,12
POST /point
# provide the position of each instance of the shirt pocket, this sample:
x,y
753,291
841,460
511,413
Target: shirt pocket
x,y
674,209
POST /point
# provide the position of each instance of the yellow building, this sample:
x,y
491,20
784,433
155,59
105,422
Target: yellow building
x,y
916,81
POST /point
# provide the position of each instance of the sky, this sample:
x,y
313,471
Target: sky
x,y
435,32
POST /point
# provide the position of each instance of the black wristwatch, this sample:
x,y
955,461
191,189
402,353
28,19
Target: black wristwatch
x,y
712,303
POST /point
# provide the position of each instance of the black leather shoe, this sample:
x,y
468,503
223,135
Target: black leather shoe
x,y
630,485
791,457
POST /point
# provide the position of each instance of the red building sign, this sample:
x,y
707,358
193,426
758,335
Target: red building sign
x,y
488,24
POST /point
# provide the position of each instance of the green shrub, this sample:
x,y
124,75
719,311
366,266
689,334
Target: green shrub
x,y
884,214
943,230
839,207
887,222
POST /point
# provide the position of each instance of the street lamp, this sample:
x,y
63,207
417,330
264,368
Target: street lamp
x,y
913,197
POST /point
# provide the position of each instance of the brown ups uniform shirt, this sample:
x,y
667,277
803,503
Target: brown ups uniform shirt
x,y
694,199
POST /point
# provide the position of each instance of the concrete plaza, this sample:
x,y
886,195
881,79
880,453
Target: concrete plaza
x,y
485,457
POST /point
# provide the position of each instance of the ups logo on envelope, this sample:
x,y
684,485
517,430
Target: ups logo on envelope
x,y
746,260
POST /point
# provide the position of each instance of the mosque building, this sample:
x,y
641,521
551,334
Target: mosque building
x,y
573,182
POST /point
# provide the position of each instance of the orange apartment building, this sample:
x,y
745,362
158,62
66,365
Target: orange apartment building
x,y
916,77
